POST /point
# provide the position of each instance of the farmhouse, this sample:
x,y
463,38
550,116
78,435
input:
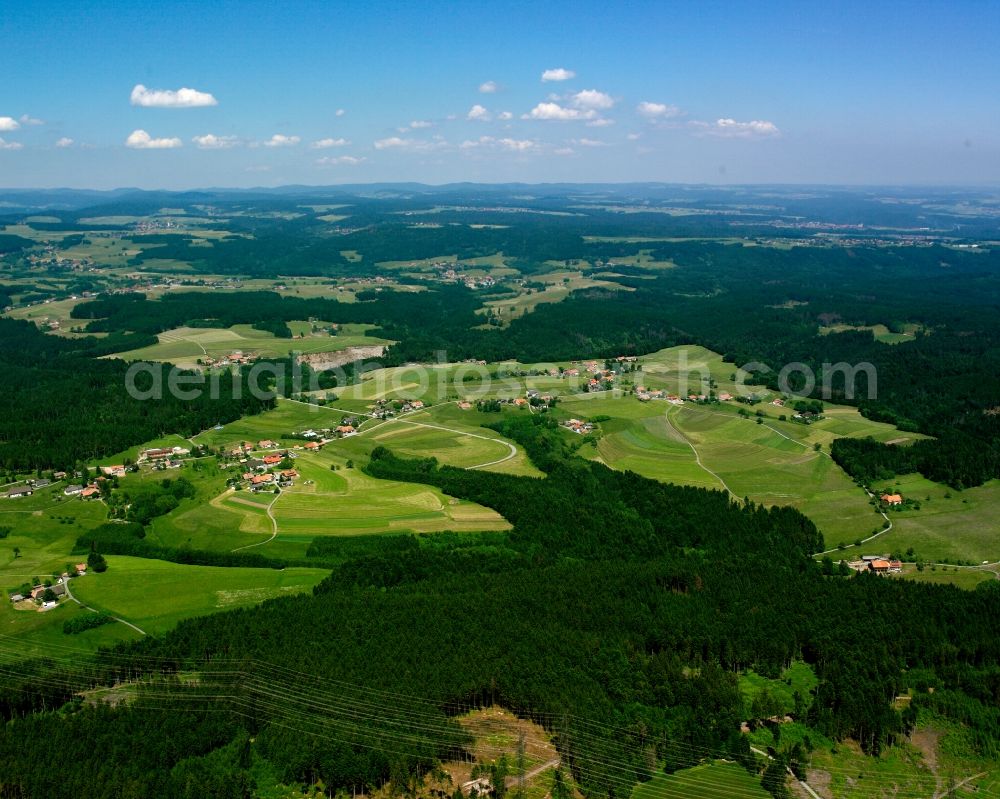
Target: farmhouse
x,y
465,405
113,471
262,479
17,493
271,460
313,445
90,491
892,499
81,568
73,490
346,430
39,590
157,454
725,396
267,444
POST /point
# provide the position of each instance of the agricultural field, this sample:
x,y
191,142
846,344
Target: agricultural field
x,y
43,532
558,285
185,346
55,313
881,332
774,462
155,595
949,526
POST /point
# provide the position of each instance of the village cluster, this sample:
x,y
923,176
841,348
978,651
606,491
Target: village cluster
x,y
453,272
235,358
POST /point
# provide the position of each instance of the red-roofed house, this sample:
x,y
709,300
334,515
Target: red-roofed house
x,y
892,499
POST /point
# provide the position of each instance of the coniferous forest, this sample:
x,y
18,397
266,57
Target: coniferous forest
x,y
618,612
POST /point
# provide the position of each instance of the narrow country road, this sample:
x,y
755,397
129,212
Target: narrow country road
x,y
697,457
403,420
69,593
803,783
274,526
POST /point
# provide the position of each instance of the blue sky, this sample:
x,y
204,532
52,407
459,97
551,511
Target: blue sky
x,y
325,93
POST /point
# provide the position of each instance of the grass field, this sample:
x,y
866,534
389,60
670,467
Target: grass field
x,y
44,529
774,462
185,345
155,595
957,526
55,311
761,461
717,780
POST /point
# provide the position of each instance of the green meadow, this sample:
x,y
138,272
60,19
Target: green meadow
x,y
950,525
155,595
716,780
184,346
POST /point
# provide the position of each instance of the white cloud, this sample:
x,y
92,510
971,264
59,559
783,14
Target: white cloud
x,y
29,120
490,87
212,142
393,143
478,113
10,145
657,110
340,112
64,142
564,151
338,160
559,112
731,129
601,122
417,124
590,143
9,123
168,98
140,140
557,74
591,98
326,144
516,145
281,140
505,115
633,136
508,144
410,145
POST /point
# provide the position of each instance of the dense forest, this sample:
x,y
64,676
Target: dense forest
x,y
615,613
618,611
70,406
943,382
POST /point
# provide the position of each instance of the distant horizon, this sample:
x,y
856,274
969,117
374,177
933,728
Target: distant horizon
x,y
993,185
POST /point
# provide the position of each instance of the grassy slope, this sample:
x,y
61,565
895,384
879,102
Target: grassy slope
x,y
155,595
185,345
716,780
